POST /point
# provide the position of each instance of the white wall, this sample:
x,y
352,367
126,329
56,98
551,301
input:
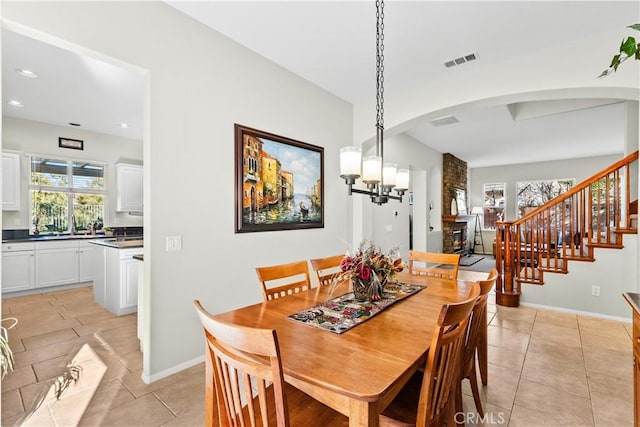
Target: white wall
x,y
610,272
200,84
412,154
29,137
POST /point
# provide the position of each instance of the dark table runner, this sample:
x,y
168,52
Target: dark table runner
x,y
342,313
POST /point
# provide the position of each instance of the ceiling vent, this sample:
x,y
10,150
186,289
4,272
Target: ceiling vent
x,y
443,121
461,60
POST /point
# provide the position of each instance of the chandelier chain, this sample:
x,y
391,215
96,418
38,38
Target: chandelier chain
x,y
380,64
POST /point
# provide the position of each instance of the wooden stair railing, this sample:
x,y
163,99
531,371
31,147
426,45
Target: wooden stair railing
x,y
594,213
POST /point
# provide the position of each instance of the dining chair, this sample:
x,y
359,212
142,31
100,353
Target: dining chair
x,y
472,343
327,269
245,383
428,398
281,280
434,264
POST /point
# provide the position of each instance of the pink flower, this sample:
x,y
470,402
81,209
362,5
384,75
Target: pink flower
x,y
364,272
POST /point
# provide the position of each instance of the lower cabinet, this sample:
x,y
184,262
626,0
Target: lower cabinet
x,y
56,263
86,261
121,280
18,267
636,368
29,265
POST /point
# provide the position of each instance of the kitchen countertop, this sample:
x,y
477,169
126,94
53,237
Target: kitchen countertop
x,y
57,237
633,300
119,244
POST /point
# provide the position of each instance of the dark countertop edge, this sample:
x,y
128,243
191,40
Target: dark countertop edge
x,y
634,300
126,244
138,257
86,237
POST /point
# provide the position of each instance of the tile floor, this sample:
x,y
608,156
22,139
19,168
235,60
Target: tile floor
x,y
546,369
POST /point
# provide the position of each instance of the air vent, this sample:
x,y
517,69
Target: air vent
x,y
443,121
461,60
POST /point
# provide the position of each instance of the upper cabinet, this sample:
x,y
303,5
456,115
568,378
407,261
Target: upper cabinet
x,y
10,182
129,181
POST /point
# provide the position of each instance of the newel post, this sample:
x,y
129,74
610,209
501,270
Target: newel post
x,y
506,293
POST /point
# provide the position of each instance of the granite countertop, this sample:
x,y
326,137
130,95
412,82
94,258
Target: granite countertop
x,y
121,244
634,300
55,237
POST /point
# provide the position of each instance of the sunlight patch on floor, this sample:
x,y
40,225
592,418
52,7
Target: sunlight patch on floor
x,y
74,396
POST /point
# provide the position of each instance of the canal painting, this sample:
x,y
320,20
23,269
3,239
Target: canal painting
x,y
279,182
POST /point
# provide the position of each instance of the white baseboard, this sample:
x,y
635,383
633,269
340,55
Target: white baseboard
x,y
148,379
46,289
580,312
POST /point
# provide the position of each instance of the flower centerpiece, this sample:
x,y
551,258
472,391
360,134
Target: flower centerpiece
x,y
369,270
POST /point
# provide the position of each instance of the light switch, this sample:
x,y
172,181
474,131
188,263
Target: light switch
x,y
389,228
174,243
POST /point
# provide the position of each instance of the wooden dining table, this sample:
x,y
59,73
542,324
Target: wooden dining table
x,y
358,372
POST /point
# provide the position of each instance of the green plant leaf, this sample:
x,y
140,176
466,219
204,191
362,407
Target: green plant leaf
x,y
629,46
635,26
615,61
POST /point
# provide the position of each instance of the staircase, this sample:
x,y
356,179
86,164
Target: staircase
x,y
596,213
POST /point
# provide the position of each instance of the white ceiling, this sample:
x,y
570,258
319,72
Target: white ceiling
x,y
70,88
332,44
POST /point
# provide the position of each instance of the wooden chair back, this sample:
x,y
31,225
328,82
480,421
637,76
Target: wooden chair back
x,y
434,264
243,361
428,399
477,321
327,269
281,280
442,369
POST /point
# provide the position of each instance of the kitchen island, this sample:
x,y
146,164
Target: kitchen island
x,y
115,284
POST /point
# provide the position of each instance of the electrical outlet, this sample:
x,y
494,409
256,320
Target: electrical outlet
x,y
595,291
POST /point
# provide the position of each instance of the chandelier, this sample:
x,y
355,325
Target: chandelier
x,y
380,177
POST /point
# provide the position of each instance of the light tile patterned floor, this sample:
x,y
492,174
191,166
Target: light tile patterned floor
x,y
546,369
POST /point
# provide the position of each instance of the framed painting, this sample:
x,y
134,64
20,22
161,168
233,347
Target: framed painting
x,y
75,144
279,182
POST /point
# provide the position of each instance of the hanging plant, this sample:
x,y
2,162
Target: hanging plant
x,y
629,48
6,355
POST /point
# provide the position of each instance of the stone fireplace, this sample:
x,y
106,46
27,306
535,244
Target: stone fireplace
x,y
455,238
454,227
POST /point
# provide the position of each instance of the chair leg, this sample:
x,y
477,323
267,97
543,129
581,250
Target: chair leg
x,y
458,403
473,379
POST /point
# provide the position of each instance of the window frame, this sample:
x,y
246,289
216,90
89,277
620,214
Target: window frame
x,y
485,207
69,190
530,181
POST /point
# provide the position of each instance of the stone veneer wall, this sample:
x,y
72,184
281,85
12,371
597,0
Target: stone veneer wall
x,y
454,176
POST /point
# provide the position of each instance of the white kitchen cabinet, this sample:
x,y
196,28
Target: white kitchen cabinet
x,y
129,188
56,263
121,280
18,266
86,261
129,283
10,182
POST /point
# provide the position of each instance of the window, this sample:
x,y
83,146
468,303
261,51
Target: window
x,y
531,194
493,206
66,195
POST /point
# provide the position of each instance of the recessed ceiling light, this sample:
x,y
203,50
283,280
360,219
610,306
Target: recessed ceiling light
x,y
15,103
74,124
26,73
124,125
